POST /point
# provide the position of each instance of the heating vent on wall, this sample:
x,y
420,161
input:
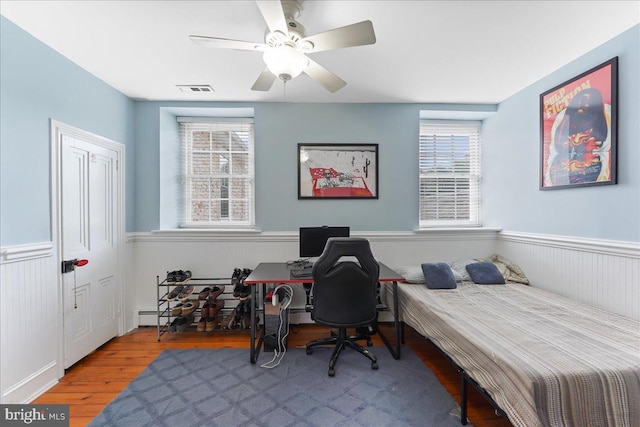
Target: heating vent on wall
x,y
196,88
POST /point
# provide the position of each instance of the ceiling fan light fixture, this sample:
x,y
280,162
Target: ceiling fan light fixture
x,y
285,61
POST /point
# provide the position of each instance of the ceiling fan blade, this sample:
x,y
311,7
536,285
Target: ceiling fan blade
x,y
358,34
216,42
326,78
273,15
265,81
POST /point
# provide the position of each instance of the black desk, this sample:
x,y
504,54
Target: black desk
x,y
280,272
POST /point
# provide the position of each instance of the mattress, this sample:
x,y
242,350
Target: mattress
x,y
544,359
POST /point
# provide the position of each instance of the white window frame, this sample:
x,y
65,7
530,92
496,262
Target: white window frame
x,y
439,143
188,125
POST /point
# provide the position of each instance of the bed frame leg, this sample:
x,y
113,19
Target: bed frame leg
x,y
463,398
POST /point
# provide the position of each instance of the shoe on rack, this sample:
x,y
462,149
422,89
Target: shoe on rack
x,y
227,321
210,324
236,322
189,307
178,276
235,277
177,309
202,324
175,292
204,294
215,307
216,292
243,291
186,292
183,323
173,325
204,311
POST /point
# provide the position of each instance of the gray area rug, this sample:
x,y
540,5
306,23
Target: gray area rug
x,y
219,387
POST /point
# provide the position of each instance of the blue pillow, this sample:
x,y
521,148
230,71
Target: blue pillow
x,y
438,276
485,273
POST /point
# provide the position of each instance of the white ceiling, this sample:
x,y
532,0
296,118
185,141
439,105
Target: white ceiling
x,y
426,51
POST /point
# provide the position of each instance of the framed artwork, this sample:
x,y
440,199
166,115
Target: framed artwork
x,y
337,171
578,130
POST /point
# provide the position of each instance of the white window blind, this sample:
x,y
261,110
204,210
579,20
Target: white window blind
x,y
217,173
449,157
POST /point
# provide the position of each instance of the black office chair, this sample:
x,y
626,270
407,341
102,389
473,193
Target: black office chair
x,y
344,294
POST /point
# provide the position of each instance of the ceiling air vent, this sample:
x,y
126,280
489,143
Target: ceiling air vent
x,y
196,88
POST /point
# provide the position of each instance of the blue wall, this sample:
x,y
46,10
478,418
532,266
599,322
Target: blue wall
x,y
511,153
278,129
38,84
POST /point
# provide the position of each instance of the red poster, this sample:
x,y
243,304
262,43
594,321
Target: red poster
x,y
578,130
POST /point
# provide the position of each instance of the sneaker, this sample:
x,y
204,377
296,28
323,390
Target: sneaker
x,y
172,327
178,276
176,310
189,307
175,292
235,277
228,321
241,290
186,291
183,323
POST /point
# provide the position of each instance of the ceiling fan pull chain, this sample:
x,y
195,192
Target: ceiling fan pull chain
x,y
284,90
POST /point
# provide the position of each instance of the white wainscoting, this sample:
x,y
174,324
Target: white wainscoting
x,y
601,273
216,254
29,322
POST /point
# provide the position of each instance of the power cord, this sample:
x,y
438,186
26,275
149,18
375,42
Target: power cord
x,y
279,352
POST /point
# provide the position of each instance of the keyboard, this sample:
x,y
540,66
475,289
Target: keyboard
x,y
301,272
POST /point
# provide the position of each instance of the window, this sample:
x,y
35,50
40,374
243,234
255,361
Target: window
x,y
449,157
217,173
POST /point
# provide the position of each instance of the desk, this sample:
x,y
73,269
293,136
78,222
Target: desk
x,y
280,272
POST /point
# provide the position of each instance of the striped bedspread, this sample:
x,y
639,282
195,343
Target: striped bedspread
x,y
545,359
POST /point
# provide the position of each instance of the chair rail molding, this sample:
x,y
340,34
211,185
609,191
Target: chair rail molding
x,y
25,252
599,246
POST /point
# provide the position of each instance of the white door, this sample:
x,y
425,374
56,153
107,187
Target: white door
x,y
89,231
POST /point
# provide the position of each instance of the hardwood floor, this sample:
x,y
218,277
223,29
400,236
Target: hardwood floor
x,y
94,381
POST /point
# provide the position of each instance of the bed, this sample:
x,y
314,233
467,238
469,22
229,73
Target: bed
x,y
543,359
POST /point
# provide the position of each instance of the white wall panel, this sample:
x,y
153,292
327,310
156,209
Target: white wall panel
x,y
209,254
604,274
29,322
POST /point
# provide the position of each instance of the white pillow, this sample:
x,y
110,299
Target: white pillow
x,y
460,268
411,273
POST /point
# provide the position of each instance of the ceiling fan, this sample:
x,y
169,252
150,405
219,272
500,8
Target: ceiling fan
x,y
286,45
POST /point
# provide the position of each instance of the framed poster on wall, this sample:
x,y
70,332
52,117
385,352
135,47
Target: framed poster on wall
x,y
337,171
578,130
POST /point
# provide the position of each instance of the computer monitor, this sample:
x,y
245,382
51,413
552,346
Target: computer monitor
x,y
313,239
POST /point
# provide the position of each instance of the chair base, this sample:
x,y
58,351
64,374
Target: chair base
x,y
341,340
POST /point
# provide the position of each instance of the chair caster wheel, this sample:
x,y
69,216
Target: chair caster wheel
x,y
332,372
309,350
369,343
374,365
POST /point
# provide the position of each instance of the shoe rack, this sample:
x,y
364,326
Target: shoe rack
x,y
202,304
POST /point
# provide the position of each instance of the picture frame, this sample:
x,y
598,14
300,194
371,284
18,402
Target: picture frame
x,y
337,171
579,130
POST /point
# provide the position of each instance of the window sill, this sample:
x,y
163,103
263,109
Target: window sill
x,y
206,231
